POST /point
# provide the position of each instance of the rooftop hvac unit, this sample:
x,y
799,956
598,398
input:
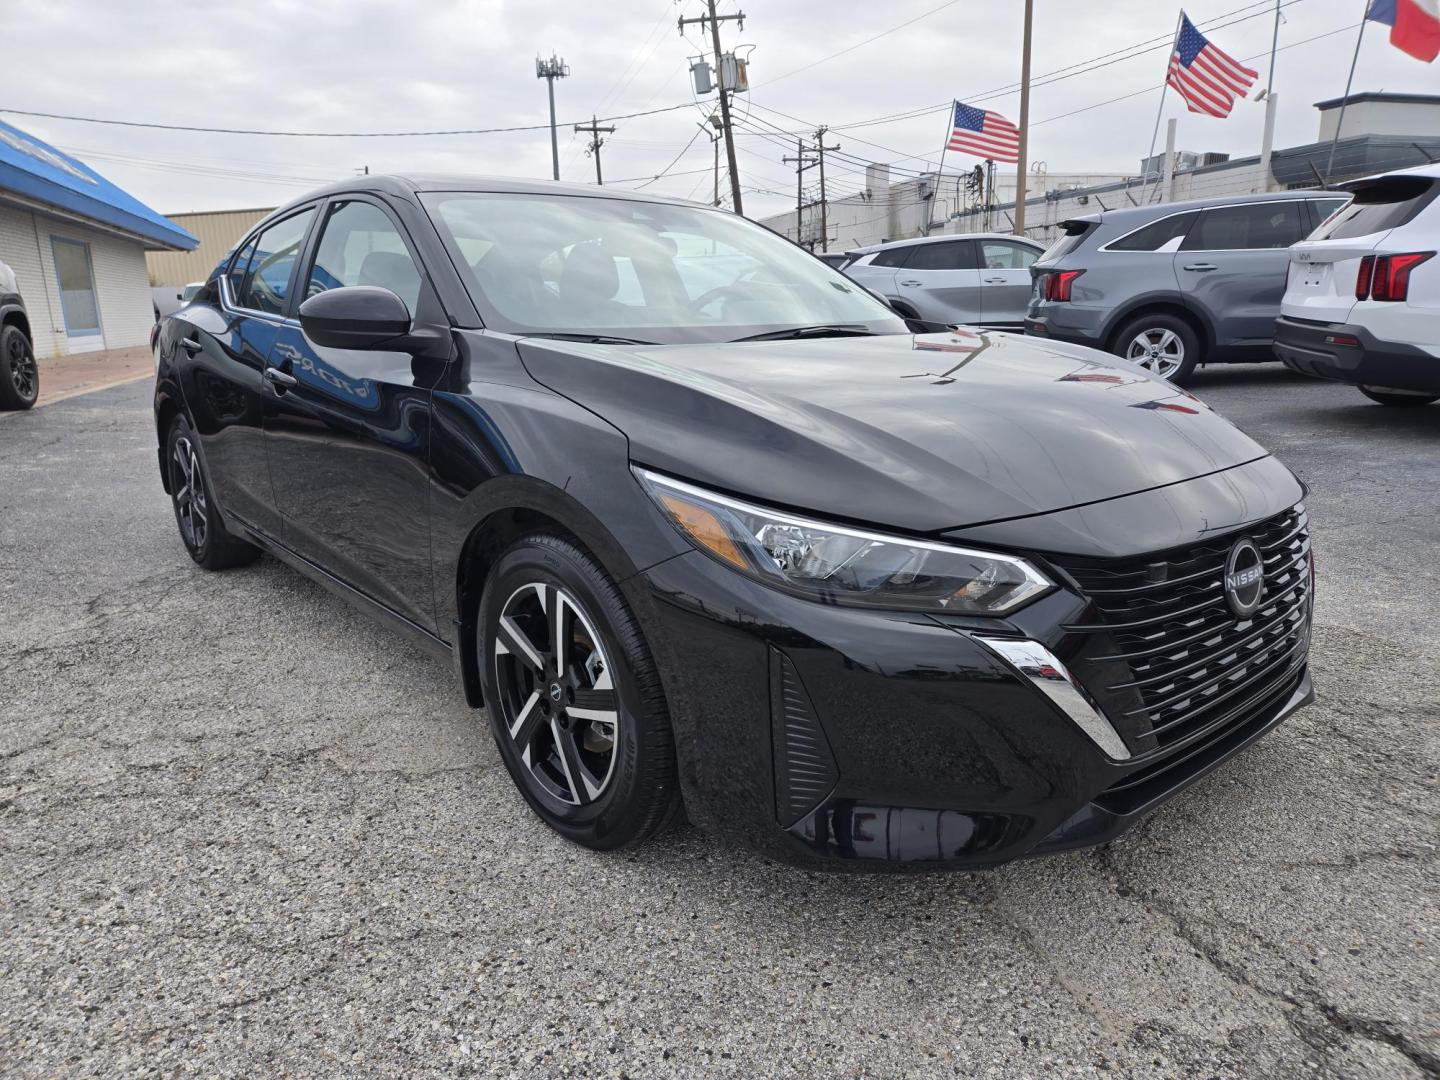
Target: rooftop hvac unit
x,y
1213,159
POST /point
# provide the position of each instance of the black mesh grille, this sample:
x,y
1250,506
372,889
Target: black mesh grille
x,y
1176,659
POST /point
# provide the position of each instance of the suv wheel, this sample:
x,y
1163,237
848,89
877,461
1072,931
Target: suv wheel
x,y
19,377
574,698
1164,345
1400,399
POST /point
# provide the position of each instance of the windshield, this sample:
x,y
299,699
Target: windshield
x,y
565,264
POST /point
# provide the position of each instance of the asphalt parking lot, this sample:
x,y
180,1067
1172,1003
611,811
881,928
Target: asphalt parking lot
x,y
244,832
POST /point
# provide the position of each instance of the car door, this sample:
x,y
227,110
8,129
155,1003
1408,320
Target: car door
x,y
941,280
876,271
348,435
1232,263
1005,275
224,340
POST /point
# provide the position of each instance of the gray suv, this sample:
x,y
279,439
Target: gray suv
x,y
1178,284
978,279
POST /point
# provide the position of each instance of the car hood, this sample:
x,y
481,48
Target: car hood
x,y
922,433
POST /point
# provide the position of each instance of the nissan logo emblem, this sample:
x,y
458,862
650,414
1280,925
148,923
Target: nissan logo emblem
x,y
1244,578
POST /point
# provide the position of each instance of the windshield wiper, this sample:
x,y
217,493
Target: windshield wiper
x,y
810,331
595,339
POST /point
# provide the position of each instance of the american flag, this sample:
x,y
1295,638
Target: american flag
x,y
1208,79
984,134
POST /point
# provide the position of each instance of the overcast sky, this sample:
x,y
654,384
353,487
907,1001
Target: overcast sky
x,y
367,65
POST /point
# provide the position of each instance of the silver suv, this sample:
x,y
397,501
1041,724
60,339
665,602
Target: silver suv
x,y
1178,284
978,279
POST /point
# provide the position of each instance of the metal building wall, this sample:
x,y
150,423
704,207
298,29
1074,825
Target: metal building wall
x,y
217,232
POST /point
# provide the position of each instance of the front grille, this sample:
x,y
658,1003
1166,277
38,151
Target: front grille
x,y
1175,659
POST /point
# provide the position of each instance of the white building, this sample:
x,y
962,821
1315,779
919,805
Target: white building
x,y
77,245
1380,132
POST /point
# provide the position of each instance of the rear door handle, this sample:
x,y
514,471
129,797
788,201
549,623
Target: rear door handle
x,y
994,281
281,380
912,283
1201,266
191,346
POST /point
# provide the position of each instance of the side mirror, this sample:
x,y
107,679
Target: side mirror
x,y
357,317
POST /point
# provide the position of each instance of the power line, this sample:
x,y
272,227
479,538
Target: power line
x,y
322,134
860,44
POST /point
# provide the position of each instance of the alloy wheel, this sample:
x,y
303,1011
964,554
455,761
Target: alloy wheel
x,y
557,693
22,370
1157,350
189,487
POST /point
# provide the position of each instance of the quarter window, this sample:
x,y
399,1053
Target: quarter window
x,y
950,255
360,245
1248,227
1002,255
893,256
1156,235
239,266
267,281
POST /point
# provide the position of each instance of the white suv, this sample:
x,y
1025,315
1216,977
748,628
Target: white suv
x,y
1362,304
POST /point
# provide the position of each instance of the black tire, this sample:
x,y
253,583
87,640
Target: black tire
x,y
1170,333
531,585
1398,401
201,530
19,375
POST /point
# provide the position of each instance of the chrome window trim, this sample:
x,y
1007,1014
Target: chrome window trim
x,y
228,302
1053,679
1197,210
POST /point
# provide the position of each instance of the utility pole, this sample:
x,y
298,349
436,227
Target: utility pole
x,y
715,21
802,162
1023,166
596,142
550,70
820,149
712,132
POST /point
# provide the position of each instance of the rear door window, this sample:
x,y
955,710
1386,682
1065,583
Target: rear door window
x,y
1004,255
1162,235
1248,227
947,255
1380,206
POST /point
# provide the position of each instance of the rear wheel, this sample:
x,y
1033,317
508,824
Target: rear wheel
x,y
1399,399
1164,345
19,375
201,530
575,702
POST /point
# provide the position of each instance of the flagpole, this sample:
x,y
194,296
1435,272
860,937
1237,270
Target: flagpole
x,y
1023,166
1267,138
1340,120
940,169
1160,112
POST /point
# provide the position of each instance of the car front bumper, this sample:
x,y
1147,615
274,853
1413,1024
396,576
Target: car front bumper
x,y
1312,348
847,738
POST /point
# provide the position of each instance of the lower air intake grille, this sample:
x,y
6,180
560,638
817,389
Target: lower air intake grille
x,y
805,769
1186,662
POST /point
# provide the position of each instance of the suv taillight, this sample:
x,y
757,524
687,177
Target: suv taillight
x,y
1057,284
1387,277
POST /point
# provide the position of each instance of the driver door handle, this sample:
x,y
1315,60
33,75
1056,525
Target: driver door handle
x,y
191,346
281,380
1201,266
994,281
912,283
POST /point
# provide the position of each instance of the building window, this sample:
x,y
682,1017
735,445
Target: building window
x,y
76,278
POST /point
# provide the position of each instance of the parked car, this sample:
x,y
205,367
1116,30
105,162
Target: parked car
x,y
1363,303
166,301
970,279
844,592
835,259
1176,285
19,374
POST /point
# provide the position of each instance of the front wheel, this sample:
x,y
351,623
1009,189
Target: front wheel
x,y
19,375
1164,345
1398,399
575,701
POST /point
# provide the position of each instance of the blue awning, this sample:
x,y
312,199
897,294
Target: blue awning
x,y
30,168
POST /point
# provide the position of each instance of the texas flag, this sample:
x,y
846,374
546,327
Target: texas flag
x,y
1414,25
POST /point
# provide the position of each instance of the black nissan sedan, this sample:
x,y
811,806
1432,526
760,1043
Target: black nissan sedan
x,y
706,530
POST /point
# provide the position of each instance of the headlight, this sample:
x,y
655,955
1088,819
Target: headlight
x,y
838,565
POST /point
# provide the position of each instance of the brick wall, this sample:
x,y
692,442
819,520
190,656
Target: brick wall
x,y
121,282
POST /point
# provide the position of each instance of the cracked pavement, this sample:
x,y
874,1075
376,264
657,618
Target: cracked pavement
x,y
245,832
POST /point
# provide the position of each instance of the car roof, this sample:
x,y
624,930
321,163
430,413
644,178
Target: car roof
x,y
1159,210
916,241
408,184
